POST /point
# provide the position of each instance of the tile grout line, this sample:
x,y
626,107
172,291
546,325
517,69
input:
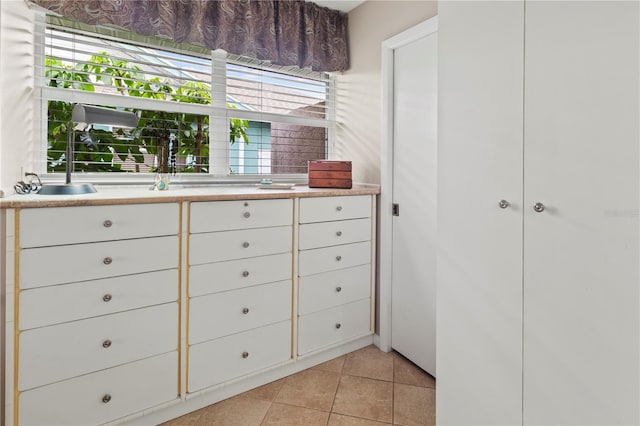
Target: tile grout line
x,y
393,388
337,387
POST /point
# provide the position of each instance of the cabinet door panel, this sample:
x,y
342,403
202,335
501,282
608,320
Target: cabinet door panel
x,y
220,360
81,262
85,224
323,209
334,325
222,276
241,214
332,258
329,289
581,275
479,265
221,314
131,387
55,304
323,234
219,246
62,351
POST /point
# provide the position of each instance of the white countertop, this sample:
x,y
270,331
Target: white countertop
x,y
132,194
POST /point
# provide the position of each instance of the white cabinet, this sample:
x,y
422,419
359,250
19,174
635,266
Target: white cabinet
x,y
50,354
334,269
97,312
217,361
102,396
126,310
220,314
240,299
538,307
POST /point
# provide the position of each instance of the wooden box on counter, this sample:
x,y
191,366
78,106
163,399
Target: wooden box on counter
x,y
329,174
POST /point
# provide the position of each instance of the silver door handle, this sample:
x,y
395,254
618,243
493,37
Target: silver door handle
x,y
538,207
503,204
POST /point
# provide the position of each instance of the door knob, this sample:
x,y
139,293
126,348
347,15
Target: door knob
x,y
538,207
503,204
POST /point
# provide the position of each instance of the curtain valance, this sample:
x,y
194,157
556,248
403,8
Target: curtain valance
x,y
285,32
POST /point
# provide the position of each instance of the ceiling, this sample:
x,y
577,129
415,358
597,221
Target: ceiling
x,y
341,5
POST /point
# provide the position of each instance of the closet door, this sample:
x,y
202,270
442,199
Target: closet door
x,y
415,177
581,259
479,267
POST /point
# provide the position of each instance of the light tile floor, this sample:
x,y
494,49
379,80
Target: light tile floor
x,y
364,388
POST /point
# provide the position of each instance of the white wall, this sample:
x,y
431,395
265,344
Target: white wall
x,y
16,86
359,90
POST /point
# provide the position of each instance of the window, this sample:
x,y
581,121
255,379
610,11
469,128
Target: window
x,y
200,112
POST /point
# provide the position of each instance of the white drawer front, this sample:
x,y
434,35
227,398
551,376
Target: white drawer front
x,y
242,214
323,234
323,209
67,350
220,246
62,303
221,276
335,257
45,266
221,314
130,388
70,225
334,325
329,289
233,356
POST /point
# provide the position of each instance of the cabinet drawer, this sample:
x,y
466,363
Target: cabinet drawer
x,y
221,314
335,257
130,388
223,359
323,234
66,350
242,273
242,214
71,225
323,209
82,262
329,289
219,246
62,303
334,325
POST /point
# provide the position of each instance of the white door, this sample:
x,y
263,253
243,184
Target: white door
x,y
581,263
479,270
413,285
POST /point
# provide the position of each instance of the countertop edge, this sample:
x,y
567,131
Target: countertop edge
x,y
143,196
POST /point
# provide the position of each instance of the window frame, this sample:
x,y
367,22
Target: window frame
x,y
218,112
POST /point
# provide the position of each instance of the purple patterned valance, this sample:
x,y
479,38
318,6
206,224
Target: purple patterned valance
x,y
285,32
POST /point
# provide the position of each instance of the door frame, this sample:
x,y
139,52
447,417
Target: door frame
x,y
425,28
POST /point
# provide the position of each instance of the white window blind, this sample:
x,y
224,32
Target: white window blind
x,y
199,111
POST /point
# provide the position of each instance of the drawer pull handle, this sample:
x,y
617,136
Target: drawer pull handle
x,y
245,310
107,260
338,289
339,208
245,354
106,398
106,344
247,215
245,274
107,297
338,325
338,258
245,244
339,233
107,223
246,204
